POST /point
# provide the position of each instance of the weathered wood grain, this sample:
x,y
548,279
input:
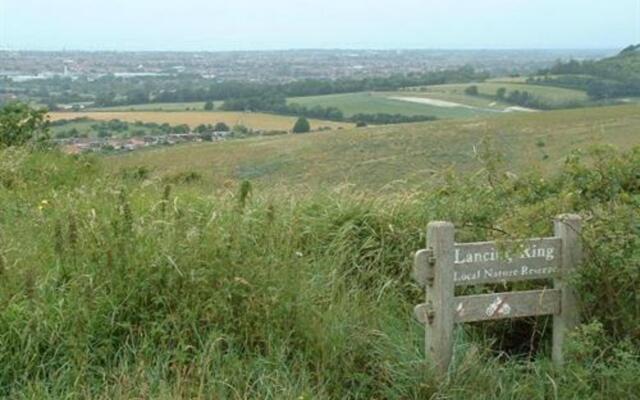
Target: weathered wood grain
x,y
495,306
439,296
567,227
422,271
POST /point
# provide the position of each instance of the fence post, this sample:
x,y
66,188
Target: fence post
x,y
567,227
439,296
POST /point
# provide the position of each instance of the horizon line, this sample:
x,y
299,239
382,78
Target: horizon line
x,y
285,49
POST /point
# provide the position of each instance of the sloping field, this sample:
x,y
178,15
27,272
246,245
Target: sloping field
x,y
457,97
381,102
252,120
552,95
396,156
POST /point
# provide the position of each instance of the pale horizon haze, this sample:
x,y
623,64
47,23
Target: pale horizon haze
x,y
213,25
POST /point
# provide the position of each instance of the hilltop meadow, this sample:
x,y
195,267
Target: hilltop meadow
x,y
265,268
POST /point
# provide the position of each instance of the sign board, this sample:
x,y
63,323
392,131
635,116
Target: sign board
x,y
444,264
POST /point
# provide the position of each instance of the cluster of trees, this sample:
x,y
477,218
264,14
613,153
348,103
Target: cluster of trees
x,y
520,98
523,98
613,77
218,127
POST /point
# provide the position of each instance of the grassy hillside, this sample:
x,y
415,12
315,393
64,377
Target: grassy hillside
x,y
258,121
121,286
398,156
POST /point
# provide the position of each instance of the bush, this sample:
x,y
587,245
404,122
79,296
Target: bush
x,y
20,124
301,126
221,127
472,90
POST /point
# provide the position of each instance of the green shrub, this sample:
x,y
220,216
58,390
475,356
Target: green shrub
x,y
21,124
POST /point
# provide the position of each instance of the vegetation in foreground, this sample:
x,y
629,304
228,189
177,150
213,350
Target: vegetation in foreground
x,y
119,285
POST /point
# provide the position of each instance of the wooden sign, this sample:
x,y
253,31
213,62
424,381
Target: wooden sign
x,y
446,264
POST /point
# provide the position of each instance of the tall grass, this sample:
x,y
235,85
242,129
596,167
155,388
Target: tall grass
x,y
125,287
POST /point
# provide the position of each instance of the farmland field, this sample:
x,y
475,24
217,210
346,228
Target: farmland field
x,y
482,104
553,96
383,102
399,155
186,106
258,121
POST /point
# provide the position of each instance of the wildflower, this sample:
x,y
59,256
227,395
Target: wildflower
x,y
44,203
241,281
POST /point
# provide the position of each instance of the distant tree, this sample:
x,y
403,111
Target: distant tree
x,y
208,106
137,96
221,127
182,128
206,136
361,124
301,126
202,128
103,133
501,93
165,128
20,124
472,90
240,129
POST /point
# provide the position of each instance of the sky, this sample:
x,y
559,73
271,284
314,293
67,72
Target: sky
x,y
211,25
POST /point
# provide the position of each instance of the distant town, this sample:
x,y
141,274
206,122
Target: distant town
x,y
275,66
83,145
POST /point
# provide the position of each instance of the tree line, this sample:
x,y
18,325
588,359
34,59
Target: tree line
x,y
277,103
110,90
612,77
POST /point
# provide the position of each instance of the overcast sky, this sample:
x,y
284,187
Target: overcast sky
x,y
284,24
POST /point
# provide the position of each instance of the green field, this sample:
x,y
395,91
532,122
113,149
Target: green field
x,y
390,103
382,102
397,156
553,96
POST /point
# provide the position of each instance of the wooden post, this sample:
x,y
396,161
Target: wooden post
x,y
567,227
439,296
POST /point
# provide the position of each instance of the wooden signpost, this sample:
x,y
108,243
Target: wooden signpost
x,y
444,264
